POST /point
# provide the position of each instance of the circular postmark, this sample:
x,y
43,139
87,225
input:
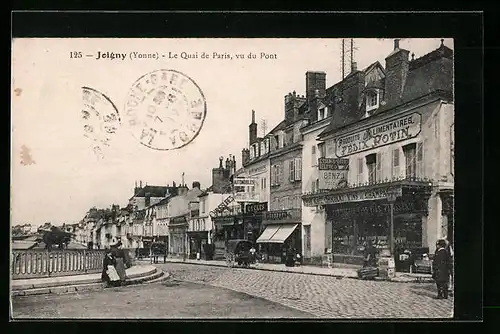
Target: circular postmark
x,y
101,119
165,110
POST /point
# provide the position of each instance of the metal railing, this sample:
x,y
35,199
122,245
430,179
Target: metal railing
x,y
42,263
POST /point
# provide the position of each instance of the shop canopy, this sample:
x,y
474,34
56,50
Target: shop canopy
x,y
276,233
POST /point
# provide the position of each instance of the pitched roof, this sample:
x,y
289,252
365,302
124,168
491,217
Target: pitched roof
x,y
279,127
206,191
155,191
431,73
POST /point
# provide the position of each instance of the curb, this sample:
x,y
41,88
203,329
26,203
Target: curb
x,y
151,277
420,281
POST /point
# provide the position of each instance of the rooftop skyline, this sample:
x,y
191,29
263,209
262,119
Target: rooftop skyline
x,y
66,179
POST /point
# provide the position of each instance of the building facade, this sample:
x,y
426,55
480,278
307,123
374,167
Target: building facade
x,y
282,223
390,140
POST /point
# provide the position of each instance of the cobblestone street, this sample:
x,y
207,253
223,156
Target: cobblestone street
x,y
168,300
324,297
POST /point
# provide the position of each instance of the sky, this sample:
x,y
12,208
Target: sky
x,y
65,177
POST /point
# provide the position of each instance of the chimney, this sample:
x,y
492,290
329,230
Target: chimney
x,y
220,162
396,43
228,166
140,184
315,81
397,67
196,185
253,129
234,164
173,184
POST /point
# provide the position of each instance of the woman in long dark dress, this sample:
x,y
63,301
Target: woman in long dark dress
x,y
108,270
119,256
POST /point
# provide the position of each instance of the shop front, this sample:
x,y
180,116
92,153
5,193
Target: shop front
x,y
369,214
198,234
252,220
279,231
177,232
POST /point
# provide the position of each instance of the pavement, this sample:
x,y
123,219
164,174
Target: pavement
x,y
335,271
166,300
20,286
323,296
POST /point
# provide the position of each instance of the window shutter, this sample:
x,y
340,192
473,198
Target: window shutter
x,y
298,169
378,172
360,170
420,159
313,155
291,170
395,163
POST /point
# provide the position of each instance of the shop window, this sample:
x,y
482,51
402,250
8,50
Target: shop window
x,y
395,172
360,178
371,164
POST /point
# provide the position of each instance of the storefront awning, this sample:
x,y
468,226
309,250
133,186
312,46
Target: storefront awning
x,y
268,233
276,234
283,233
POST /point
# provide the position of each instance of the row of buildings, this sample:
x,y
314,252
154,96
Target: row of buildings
x,y
369,158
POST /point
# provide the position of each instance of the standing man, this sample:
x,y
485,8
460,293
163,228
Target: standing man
x,y
441,266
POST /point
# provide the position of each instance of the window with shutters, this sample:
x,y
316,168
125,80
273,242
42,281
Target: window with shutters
x,y
298,169
414,160
371,164
359,178
313,156
410,151
291,163
395,171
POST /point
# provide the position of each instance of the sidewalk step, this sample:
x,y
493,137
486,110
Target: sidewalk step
x,y
149,277
58,289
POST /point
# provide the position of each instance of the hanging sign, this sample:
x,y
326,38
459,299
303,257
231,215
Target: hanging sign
x,y
221,207
333,173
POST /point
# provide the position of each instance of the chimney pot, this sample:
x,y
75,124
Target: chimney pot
x,y
253,116
354,66
396,43
442,41
294,93
413,56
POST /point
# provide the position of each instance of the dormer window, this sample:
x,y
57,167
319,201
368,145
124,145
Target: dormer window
x,y
281,139
372,101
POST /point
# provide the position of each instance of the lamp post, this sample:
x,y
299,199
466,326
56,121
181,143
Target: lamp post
x,y
392,195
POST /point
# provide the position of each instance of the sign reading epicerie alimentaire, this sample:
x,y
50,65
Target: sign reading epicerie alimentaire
x,y
385,133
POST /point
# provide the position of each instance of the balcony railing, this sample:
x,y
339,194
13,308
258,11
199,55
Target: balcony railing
x,y
42,263
385,182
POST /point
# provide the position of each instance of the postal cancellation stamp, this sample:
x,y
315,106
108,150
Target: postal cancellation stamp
x,y
101,119
165,110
